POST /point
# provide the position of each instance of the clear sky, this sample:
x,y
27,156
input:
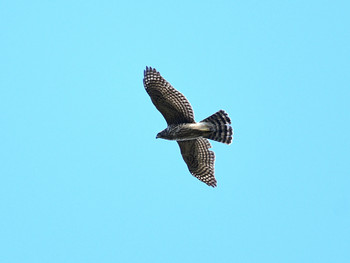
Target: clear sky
x,y
83,178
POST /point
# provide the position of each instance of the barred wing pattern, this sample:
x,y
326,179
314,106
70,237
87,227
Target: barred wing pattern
x,y
199,159
172,104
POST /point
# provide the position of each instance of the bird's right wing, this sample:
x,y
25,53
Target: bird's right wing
x,y
199,159
172,104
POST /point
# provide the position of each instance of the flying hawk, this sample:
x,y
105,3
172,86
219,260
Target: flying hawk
x,y
191,136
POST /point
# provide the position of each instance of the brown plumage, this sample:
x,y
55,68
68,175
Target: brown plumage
x,y
191,136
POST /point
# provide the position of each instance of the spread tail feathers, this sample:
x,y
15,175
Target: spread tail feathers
x,y
220,124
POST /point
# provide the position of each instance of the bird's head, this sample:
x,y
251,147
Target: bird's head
x,y
162,134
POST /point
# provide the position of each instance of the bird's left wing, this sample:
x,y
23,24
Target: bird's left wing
x,y
172,104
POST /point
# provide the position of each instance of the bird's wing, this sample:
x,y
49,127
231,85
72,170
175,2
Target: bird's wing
x,y
199,159
172,104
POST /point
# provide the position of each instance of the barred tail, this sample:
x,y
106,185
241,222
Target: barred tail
x,y
222,130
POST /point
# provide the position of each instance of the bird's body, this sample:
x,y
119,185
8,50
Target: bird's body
x,y
191,136
185,131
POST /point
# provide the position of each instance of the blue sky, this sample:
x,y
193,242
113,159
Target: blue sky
x,y
83,178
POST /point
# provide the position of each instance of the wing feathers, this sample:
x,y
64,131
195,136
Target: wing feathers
x,y
199,159
172,104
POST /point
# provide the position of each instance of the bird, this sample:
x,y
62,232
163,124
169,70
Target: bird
x,y
191,136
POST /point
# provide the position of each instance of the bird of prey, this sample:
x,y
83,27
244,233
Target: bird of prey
x,y
191,136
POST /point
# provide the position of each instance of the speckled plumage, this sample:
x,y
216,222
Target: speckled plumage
x,y
192,137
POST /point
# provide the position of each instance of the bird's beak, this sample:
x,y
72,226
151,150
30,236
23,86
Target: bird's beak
x,y
157,136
